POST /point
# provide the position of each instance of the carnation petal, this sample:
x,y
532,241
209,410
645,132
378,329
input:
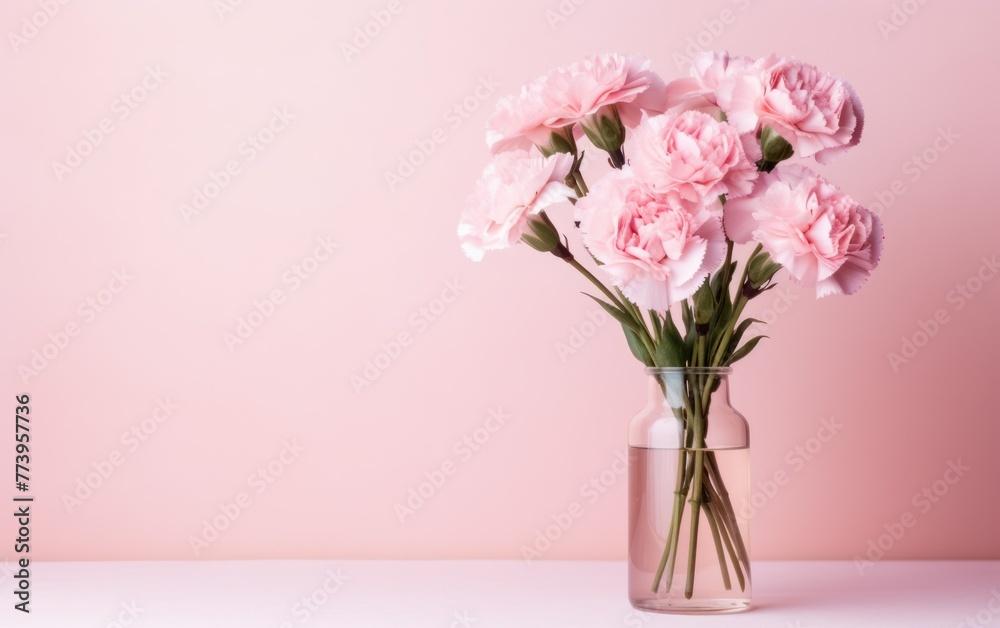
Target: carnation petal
x,y
738,219
656,248
686,267
849,278
876,239
648,293
679,91
514,185
738,98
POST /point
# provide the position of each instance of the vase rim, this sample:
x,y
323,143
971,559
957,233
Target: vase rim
x,y
689,370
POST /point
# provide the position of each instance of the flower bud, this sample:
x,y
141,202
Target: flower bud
x,y
704,307
544,236
774,149
560,141
605,130
762,268
759,274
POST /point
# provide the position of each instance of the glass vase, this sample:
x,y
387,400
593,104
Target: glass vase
x,y
689,455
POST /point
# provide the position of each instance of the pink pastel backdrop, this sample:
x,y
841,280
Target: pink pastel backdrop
x,y
507,340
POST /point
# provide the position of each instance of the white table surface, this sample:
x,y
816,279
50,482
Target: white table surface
x,y
483,594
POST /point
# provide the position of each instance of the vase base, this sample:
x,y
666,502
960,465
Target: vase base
x,y
691,607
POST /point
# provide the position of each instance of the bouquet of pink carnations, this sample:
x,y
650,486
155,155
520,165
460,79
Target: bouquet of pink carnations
x,y
696,166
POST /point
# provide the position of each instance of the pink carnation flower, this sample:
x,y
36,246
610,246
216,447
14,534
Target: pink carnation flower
x,y
657,249
573,93
520,121
821,235
691,155
708,71
817,113
514,186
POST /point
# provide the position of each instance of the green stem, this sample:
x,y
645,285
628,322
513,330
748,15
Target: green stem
x,y
714,525
721,518
725,269
720,352
597,282
678,514
622,304
670,549
695,501
716,476
700,480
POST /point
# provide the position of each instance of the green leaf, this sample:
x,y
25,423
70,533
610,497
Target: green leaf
x,y
689,331
738,333
638,349
654,316
717,286
670,352
720,324
668,322
670,333
631,329
671,349
744,351
622,317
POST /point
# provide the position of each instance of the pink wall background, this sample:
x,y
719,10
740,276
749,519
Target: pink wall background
x,y
496,345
